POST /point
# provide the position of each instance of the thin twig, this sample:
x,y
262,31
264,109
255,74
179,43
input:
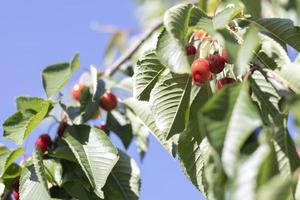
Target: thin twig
x,y
129,53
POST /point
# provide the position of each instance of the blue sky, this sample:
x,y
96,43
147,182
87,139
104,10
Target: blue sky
x,y
36,33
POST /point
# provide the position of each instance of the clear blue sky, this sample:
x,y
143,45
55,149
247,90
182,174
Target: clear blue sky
x,y
35,33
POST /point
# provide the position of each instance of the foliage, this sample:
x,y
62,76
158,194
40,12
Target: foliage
x,y
231,140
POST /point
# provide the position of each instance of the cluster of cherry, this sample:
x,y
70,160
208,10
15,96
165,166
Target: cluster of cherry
x,y
214,63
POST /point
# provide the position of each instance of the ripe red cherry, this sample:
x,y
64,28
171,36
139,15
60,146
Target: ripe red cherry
x,y
44,141
224,56
224,81
108,101
76,91
61,128
103,128
216,63
16,194
190,50
200,71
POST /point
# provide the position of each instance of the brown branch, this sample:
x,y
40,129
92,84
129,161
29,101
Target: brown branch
x,y
129,53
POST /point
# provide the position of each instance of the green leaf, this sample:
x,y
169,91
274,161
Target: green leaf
x,y
229,119
192,146
172,54
56,76
98,85
280,29
246,50
176,21
119,124
253,7
7,158
63,151
94,152
169,101
140,132
223,18
124,182
277,188
53,171
248,173
289,74
32,111
76,189
146,74
32,181
143,112
117,41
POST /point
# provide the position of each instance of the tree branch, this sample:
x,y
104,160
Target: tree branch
x,y
129,53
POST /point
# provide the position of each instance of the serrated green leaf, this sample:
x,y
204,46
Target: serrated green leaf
x,y
32,182
223,18
246,50
281,29
277,188
169,102
94,152
32,111
143,112
247,173
119,124
229,119
146,75
124,182
8,157
53,171
56,76
172,54
253,7
98,85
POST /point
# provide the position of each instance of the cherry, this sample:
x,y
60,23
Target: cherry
x,y
200,34
224,81
76,91
44,141
16,194
61,128
190,50
200,71
108,101
224,56
216,63
103,128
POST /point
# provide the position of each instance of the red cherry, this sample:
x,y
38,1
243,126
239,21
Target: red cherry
x,y
224,81
200,71
224,56
76,91
103,128
216,63
61,128
44,141
190,50
108,101
16,195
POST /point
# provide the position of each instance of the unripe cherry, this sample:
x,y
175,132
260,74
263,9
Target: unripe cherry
x,y
76,91
96,114
108,101
44,141
61,128
200,34
200,71
224,81
216,63
190,50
